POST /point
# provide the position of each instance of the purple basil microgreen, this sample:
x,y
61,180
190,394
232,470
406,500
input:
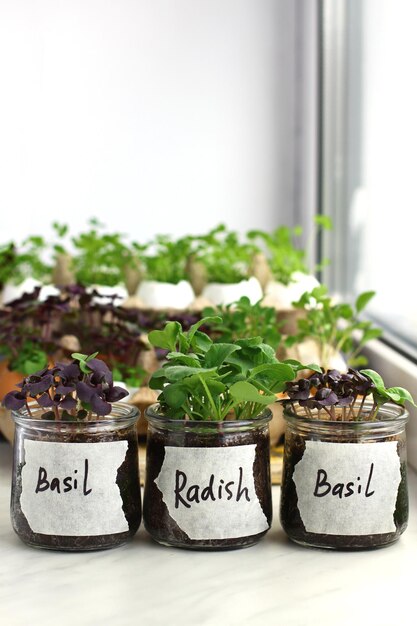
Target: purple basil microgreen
x,y
299,390
346,401
84,391
68,403
342,395
45,400
100,406
14,400
37,384
115,393
100,372
76,391
326,397
64,390
69,373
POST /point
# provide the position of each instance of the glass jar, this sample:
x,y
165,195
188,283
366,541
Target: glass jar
x,y
344,483
208,484
75,485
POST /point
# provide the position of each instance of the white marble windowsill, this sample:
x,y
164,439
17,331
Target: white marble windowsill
x,y
275,582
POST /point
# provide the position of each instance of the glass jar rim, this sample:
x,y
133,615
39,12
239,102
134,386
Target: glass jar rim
x,y
128,414
156,417
395,414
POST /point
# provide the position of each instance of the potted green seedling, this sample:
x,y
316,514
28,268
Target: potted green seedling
x,y
344,483
24,269
166,284
101,259
241,320
75,474
292,269
208,469
227,262
332,332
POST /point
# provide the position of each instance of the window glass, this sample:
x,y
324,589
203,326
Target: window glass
x,y
370,139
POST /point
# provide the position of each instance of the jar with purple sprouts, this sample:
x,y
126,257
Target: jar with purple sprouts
x,y
344,483
75,479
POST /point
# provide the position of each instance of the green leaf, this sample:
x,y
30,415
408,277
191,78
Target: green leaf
x,y
179,372
84,367
166,338
344,310
175,396
324,221
358,361
215,319
218,353
279,372
193,383
298,367
400,395
363,299
30,366
317,293
201,342
157,379
183,359
268,352
243,391
371,333
375,377
77,356
312,366
250,342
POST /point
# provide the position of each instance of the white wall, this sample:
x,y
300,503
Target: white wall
x,y
155,116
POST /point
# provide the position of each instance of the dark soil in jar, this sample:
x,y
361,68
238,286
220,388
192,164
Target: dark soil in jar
x,y
127,481
156,517
291,519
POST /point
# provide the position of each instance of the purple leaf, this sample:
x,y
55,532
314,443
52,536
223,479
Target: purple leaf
x,y
45,400
114,394
84,391
300,390
346,401
36,385
68,403
63,390
101,372
326,397
14,400
99,406
70,373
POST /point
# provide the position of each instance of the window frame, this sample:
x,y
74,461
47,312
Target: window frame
x,y
339,155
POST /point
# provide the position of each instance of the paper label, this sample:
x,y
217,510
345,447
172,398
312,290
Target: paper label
x,y
70,489
210,492
348,488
